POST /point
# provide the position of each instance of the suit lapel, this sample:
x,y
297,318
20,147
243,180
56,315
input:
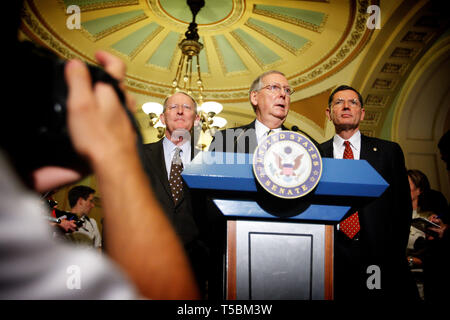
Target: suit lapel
x,y
194,150
366,148
157,157
240,138
327,149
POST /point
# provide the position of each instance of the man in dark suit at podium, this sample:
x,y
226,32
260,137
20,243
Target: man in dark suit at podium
x,y
166,159
377,233
270,96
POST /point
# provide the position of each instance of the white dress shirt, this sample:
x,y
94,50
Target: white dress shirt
x,y
339,147
169,151
261,131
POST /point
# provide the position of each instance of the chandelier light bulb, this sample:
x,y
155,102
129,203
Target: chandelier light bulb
x,y
212,106
152,107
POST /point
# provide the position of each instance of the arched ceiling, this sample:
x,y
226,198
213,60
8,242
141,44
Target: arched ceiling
x,y
307,40
317,44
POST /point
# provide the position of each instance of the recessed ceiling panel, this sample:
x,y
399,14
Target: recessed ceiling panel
x,y
229,58
163,56
203,57
262,54
312,20
283,37
101,27
133,43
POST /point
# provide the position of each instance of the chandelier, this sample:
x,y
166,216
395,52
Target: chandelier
x,y
188,79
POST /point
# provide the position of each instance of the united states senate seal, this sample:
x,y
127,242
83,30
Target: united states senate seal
x,y
287,164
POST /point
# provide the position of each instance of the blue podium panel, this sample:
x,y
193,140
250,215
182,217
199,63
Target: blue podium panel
x,y
221,171
251,209
234,172
344,177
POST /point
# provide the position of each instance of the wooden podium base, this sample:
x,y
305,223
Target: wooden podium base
x,y
279,261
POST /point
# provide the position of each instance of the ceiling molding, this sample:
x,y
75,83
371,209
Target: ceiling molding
x,y
403,40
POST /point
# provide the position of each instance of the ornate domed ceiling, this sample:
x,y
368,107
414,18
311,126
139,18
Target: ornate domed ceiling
x,y
307,40
318,44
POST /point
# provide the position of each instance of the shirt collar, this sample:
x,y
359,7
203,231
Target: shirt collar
x,y
355,141
169,147
261,129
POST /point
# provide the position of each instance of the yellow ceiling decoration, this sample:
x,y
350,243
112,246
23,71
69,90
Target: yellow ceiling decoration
x,y
317,44
308,41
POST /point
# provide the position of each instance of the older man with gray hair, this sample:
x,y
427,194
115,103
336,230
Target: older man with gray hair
x,y
165,161
270,97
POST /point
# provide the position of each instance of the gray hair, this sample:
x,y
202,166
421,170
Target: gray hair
x,y
257,84
182,92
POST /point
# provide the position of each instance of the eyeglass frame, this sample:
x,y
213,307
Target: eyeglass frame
x,y
353,102
277,88
185,106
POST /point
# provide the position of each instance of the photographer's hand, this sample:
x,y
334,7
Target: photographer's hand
x,y
441,230
98,125
138,235
48,177
68,225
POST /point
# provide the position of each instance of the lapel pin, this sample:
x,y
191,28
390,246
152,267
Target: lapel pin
x,y
375,149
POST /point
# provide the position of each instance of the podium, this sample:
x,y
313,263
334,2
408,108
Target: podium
x,y
280,249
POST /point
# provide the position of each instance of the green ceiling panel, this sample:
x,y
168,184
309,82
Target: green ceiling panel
x,y
132,43
281,36
106,25
262,54
203,59
163,56
309,19
229,58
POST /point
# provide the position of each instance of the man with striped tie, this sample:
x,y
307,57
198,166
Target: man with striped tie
x,y
270,97
375,234
166,160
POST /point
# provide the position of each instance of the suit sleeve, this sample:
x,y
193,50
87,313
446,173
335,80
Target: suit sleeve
x,y
217,143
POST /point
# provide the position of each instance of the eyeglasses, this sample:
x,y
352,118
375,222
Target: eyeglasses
x,y
176,106
276,88
351,103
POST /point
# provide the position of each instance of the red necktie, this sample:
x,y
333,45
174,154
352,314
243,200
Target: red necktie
x,y
349,226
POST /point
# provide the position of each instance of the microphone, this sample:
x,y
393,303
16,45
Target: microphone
x,y
51,219
295,128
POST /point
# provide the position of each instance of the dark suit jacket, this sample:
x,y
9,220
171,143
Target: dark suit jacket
x,y
181,214
385,225
241,139
238,140
185,216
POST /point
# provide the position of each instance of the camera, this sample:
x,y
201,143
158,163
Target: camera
x,y
69,216
78,222
35,132
43,109
40,111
